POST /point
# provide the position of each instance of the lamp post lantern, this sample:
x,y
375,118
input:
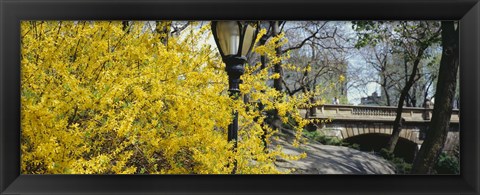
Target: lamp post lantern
x,y
234,40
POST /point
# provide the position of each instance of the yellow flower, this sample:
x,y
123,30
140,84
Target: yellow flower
x,y
104,97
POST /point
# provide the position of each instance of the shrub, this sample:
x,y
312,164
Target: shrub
x,y
97,99
447,164
328,140
401,167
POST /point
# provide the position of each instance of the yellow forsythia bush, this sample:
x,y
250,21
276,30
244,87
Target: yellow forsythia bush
x,y
100,99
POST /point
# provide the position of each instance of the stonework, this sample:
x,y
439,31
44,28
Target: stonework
x,y
349,121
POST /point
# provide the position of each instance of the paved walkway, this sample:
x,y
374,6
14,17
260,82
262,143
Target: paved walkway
x,y
326,159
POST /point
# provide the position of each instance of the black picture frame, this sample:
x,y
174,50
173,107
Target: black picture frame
x,y
13,11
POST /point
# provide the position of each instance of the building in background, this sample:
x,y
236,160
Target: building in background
x,y
373,100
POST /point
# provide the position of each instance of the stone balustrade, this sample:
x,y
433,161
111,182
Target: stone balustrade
x,y
374,113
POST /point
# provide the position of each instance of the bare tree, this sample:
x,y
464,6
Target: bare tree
x,y
319,48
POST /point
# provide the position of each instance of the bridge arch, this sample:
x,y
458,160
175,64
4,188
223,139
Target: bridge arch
x,y
348,122
406,149
375,136
356,130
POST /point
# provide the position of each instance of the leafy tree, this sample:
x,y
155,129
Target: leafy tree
x,y
436,135
414,38
388,63
122,97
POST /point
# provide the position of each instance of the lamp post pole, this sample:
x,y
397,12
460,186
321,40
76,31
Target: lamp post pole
x,y
235,69
234,40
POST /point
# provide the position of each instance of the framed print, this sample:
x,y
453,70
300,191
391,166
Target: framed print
x,y
162,97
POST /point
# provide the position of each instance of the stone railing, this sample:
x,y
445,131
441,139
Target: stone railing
x,y
374,113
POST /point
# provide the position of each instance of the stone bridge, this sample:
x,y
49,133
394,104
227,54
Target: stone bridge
x,y
348,121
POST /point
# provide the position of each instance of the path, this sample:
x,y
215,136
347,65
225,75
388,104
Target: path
x,y
326,159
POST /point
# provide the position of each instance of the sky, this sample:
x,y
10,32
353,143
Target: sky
x,y
354,61
355,94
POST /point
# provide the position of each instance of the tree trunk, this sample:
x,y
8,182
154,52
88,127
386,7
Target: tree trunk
x,y
446,84
385,91
125,26
413,97
163,28
276,121
277,83
397,124
261,107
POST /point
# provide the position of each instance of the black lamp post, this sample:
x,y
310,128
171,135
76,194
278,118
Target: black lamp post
x,y
234,40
